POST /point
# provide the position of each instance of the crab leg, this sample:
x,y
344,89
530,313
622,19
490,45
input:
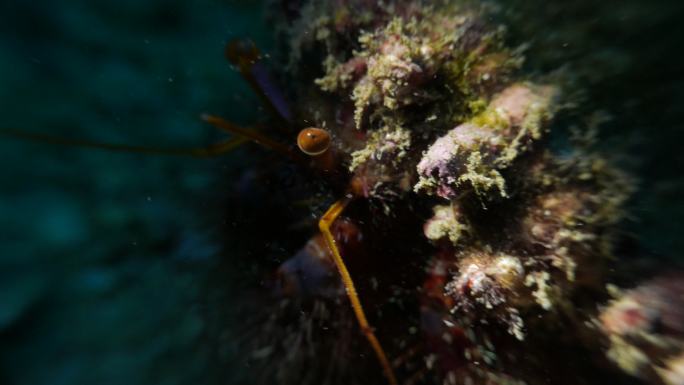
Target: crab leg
x,y
324,225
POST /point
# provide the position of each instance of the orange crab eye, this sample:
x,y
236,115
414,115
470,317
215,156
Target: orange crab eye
x,y
313,141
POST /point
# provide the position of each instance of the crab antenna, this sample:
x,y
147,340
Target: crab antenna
x,y
198,152
324,225
244,55
252,135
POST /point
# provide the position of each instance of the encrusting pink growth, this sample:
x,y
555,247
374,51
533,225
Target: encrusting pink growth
x,y
443,164
473,153
644,327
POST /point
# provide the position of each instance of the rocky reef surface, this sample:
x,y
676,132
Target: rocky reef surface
x,y
439,124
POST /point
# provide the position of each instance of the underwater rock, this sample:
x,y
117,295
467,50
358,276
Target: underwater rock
x,y
427,108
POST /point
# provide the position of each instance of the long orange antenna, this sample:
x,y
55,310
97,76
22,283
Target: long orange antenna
x,y
324,225
252,135
199,152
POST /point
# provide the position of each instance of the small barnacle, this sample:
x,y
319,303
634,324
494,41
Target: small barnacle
x,y
473,286
486,288
508,270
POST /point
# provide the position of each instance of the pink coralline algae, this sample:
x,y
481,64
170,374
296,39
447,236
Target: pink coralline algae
x,y
644,329
473,153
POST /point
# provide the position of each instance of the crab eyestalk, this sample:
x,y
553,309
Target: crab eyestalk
x,y
316,143
313,141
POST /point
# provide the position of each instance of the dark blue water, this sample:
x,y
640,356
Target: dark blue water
x,y
103,255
